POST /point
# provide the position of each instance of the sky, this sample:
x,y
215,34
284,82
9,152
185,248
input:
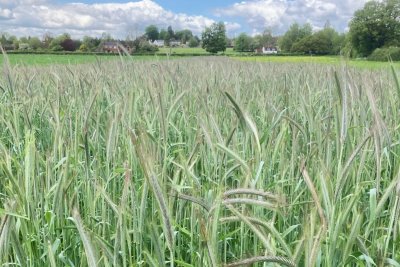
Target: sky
x,y
129,18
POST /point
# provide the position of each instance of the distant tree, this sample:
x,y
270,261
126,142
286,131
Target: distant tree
x,y
243,43
89,44
12,39
23,39
57,43
170,33
229,41
264,39
70,45
323,42
184,35
194,41
141,45
35,43
4,39
374,26
16,44
56,47
46,40
106,37
152,32
315,44
163,34
7,41
214,38
339,43
293,35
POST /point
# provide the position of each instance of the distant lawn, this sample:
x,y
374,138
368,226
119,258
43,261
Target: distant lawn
x,y
318,59
189,50
49,59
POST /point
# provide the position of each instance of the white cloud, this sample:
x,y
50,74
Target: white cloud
x,y
119,19
14,3
35,17
279,14
5,13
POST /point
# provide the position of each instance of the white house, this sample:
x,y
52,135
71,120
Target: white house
x,y
268,50
158,43
175,43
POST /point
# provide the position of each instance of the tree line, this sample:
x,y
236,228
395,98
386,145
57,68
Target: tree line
x,y
374,31
65,42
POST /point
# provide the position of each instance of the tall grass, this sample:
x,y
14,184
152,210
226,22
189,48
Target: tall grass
x,y
205,162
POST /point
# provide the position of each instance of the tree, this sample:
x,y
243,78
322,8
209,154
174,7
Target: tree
x,y
293,35
47,38
4,39
35,43
243,43
184,35
194,41
152,32
163,34
89,44
16,44
167,35
214,38
106,37
323,42
374,26
141,45
170,33
7,41
70,45
57,43
265,39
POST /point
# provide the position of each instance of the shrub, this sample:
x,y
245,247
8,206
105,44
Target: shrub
x,y
384,54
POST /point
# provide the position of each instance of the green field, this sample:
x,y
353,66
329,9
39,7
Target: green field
x,y
188,50
329,60
51,59
209,161
43,59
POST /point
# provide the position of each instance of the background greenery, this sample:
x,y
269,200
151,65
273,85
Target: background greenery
x,y
374,32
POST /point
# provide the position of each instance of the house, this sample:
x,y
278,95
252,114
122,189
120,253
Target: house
x,y
268,50
110,47
24,46
8,47
175,43
158,43
115,47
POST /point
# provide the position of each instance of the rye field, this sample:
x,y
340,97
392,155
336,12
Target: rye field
x,y
199,162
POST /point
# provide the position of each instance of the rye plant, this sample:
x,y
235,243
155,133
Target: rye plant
x,y
199,162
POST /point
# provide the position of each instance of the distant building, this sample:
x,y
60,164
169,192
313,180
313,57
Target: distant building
x,y
24,46
268,50
158,43
115,47
175,43
8,47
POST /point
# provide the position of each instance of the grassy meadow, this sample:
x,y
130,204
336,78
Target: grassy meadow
x,y
51,59
68,59
327,60
205,162
73,59
190,50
